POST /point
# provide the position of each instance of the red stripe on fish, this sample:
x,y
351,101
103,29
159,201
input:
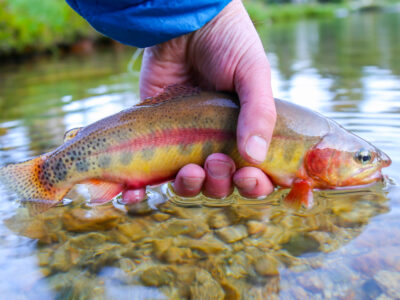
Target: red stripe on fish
x,y
183,136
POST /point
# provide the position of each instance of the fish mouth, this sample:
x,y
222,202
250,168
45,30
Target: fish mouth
x,y
366,181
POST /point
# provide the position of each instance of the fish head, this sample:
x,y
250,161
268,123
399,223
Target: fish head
x,y
342,159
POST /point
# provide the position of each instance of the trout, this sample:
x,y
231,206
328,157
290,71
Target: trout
x,y
148,143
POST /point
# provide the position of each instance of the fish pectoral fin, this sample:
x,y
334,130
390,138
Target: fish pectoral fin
x,y
301,193
171,92
102,191
70,134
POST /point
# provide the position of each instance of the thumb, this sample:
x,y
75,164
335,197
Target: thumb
x,y
257,113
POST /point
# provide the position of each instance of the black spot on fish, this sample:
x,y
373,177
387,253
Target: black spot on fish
x,y
58,168
82,166
148,153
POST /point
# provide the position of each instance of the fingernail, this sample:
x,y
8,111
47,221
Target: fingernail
x,y
246,183
256,148
191,183
219,169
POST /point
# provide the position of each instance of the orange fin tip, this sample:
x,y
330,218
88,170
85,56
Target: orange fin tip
x,y
301,193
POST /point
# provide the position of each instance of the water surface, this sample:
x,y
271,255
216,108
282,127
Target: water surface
x,y
346,247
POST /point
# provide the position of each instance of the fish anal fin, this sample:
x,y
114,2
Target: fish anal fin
x,y
301,193
171,92
70,134
38,206
102,191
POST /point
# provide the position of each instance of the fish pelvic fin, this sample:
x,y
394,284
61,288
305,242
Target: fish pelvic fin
x,y
102,191
301,193
31,189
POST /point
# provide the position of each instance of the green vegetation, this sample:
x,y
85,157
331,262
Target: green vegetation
x,y
27,25
31,26
261,11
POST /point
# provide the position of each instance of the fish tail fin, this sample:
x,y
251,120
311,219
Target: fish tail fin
x,y
32,189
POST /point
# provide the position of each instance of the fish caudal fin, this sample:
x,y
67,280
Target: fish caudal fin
x,y
301,193
24,179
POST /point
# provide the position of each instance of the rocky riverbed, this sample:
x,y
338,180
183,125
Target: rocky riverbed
x,y
242,250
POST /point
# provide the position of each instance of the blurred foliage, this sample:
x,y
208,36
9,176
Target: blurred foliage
x,y
38,25
260,11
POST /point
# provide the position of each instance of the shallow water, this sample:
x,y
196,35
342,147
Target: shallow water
x,y
346,247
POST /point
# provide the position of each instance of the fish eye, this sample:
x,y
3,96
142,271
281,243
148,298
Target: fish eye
x,y
363,156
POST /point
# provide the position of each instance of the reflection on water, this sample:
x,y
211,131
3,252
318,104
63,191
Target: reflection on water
x,y
346,247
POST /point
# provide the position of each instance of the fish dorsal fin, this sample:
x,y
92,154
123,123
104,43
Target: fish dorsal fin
x,y
70,134
172,92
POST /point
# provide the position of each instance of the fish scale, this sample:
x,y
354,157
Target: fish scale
x,y
149,143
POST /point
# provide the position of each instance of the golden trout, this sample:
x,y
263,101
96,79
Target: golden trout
x,y
148,143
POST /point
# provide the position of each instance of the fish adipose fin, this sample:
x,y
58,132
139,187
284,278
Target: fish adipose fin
x,y
102,191
70,134
301,193
32,189
171,92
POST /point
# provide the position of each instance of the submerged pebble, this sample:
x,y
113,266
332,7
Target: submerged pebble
x,y
95,218
232,234
236,252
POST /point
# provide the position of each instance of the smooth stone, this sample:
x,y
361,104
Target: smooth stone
x,y
254,227
301,243
244,212
160,217
207,245
157,276
177,227
232,234
231,290
160,246
174,255
44,227
61,260
205,287
266,265
96,218
44,256
135,230
172,209
88,241
218,220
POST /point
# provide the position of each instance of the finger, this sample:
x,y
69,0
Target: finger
x,y
163,65
257,113
133,196
189,181
252,182
219,170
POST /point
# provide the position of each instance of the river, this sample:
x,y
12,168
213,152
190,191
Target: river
x,y
346,247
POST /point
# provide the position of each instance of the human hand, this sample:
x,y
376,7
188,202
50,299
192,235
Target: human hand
x,y
225,55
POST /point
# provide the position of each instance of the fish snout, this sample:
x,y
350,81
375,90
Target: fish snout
x,y
384,159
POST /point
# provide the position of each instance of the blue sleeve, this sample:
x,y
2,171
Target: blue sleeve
x,y
144,23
